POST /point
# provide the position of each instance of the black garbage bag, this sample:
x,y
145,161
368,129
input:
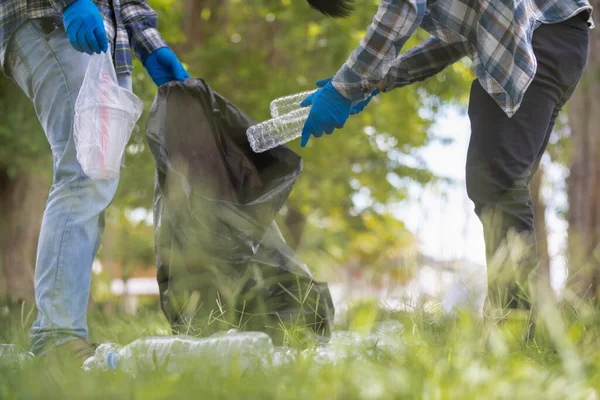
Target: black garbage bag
x,y
222,262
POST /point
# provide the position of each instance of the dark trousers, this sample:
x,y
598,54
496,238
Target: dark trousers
x,y
504,154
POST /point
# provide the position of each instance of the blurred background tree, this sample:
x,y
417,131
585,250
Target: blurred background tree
x,y
584,180
25,171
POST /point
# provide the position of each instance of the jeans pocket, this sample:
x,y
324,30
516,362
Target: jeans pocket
x,y
47,27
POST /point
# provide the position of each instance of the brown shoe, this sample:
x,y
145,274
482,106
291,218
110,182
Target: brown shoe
x,y
77,350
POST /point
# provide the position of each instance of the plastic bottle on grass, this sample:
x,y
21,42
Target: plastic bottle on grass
x,y
175,353
13,356
385,338
287,104
277,131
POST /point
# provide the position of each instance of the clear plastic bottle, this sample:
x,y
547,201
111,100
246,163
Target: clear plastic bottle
x,y
174,353
287,104
13,356
277,131
385,338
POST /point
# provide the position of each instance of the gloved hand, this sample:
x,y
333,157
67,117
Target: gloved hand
x,y
85,27
330,110
163,67
358,107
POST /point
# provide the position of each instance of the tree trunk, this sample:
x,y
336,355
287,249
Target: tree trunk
x,y
22,201
199,19
584,180
541,232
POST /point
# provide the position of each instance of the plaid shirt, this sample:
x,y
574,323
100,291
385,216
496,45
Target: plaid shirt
x,y
130,24
494,34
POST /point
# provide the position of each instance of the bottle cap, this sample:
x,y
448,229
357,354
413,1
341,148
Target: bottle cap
x,y
111,360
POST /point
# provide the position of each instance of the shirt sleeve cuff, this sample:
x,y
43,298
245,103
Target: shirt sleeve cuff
x,y
385,85
352,86
147,42
398,79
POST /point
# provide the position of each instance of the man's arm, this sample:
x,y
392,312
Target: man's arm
x,y
421,62
392,26
141,21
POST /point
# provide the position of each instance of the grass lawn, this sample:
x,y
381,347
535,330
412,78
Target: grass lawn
x,y
441,358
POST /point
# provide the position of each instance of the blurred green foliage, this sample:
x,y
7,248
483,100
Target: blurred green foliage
x,y
23,143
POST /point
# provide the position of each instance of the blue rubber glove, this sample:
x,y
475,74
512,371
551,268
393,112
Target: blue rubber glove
x,y
358,107
163,67
85,27
330,110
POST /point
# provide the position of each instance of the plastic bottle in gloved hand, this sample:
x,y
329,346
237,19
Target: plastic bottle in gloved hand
x,y
357,108
288,119
287,104
330,110
290,114
277,131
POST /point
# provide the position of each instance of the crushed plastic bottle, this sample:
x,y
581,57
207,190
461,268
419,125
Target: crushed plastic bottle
x,y
280,356
14,357
174,353
385,339
287,104
277,131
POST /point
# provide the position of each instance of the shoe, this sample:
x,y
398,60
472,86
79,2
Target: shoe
x,y
77,350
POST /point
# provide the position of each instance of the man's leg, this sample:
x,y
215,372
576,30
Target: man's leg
x,y
504,153
50,72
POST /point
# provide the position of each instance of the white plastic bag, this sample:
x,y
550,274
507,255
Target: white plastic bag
x,y
105,116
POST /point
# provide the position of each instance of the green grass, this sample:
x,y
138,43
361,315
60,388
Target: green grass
x,y
442,358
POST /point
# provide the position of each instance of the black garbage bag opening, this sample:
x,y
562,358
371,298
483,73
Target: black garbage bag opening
x,y
221,261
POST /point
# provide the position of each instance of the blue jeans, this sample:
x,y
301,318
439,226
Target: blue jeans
x,y
42,62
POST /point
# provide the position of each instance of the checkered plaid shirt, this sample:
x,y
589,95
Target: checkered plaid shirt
x,y
130,25
494,34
